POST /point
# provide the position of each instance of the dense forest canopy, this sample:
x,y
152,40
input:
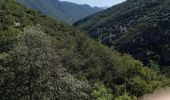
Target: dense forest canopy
x,y
45,59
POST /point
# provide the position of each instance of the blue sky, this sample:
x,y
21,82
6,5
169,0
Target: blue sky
x,y
99,3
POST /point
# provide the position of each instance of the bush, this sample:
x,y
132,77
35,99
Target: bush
x,y
100,92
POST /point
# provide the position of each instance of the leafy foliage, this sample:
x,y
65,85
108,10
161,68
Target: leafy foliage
x,y
125,97
32,71
101,93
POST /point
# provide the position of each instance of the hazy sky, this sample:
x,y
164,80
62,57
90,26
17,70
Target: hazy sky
x,y
100,3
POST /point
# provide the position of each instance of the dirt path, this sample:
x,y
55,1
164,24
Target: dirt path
x,y
163,94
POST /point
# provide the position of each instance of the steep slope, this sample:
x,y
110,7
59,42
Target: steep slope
x,y
44,59
66,11
138,27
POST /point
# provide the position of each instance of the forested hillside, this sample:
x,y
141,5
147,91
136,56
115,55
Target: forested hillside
x,y
66,11
137,27
45,59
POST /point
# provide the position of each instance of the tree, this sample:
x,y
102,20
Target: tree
x,y
32,71
30,65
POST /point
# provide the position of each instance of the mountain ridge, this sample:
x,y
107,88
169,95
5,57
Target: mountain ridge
x,y
137,27
66,11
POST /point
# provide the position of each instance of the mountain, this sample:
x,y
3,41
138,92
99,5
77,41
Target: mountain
x,y
66,11
105,7
138,27
46,59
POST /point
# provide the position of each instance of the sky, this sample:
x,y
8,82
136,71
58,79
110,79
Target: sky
x,y
99,3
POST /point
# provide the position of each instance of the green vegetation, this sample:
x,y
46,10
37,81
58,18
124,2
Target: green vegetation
x,y
137,27
101,93
66,11
44,59
125,97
